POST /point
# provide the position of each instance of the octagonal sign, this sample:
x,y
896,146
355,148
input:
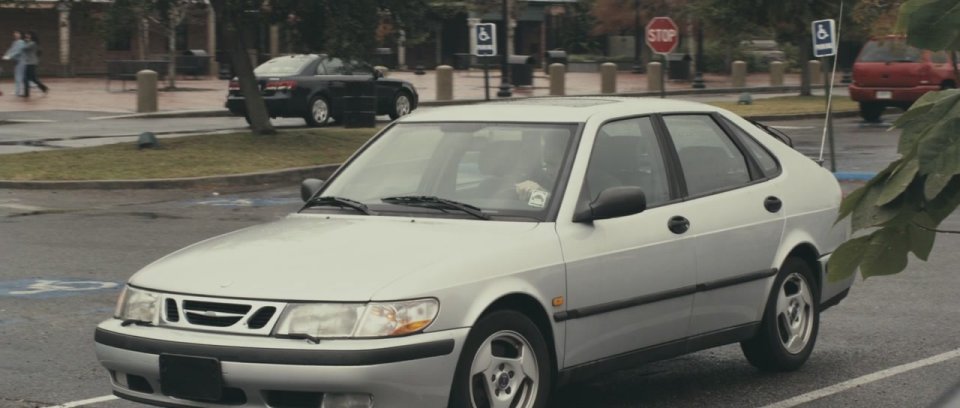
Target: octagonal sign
x,y
663,35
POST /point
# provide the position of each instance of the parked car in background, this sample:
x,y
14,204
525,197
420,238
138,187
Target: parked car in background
x,y
480,256
889,72
313,87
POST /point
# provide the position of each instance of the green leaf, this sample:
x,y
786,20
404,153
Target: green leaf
x,y
854,199
944,204
921,241
927,112
931,24
898,183
934,184
886,254
939,151
869,214
845,259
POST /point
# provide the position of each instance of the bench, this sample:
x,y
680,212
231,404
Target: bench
x,y
124,70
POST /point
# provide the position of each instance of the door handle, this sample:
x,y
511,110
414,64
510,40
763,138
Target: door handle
x,y
678,225
772,204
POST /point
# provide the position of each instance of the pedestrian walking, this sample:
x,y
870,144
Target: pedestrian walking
x,y
31,58
15,54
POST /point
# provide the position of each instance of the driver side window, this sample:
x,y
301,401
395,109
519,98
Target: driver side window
x,y
627,153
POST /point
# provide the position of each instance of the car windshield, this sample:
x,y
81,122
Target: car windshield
x,y
502,170
889,50
283,66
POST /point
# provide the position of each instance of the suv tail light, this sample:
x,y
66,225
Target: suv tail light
x,y
280,85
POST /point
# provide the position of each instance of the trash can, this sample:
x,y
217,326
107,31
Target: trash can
x,y
554,57
193,63
679,66
385,57
521,70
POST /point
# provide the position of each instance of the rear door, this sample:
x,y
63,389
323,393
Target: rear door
x,y
735,218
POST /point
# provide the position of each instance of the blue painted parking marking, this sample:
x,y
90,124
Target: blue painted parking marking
x,y
52,288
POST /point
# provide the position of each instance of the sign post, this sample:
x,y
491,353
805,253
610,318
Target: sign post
x,y
485,36
824,46
662,36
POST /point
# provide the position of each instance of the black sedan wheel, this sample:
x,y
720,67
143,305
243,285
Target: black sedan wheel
x,y
402,105
319,113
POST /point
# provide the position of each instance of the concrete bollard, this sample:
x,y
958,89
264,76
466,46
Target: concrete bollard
x,y
738,74
444,83
558,84
608,78
816,77
776,73
654,76
146,91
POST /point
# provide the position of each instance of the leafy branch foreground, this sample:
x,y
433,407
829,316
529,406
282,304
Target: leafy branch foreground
x,y
911,197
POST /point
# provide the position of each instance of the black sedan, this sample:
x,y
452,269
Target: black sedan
x,y
313,87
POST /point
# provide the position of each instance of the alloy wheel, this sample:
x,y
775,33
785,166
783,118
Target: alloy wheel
x,y
504,372
794,313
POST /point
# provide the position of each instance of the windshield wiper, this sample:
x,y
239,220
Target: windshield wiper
x,y
437,203
338,202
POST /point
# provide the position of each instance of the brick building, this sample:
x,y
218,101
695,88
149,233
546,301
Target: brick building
x,y
72,39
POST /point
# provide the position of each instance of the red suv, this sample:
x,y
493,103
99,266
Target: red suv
x,y
888,72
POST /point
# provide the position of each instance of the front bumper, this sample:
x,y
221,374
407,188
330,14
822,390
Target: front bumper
x,y
411,371
869,94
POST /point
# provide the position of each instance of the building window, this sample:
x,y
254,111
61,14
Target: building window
x,y
183,39
120,40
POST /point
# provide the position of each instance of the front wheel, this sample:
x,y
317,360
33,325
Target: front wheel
x,y
402,105
319,112
504,363
790,323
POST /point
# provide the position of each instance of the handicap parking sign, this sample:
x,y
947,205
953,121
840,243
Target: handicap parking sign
x,y
824,38
485,35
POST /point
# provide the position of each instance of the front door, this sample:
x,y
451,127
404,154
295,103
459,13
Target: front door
x,y
630,280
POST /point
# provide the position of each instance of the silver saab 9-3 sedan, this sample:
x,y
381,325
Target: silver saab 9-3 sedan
x,y
481,256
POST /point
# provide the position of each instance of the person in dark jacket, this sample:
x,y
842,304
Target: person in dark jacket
x,y
31,59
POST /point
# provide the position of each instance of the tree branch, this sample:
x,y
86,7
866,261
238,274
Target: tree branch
x,y
936,230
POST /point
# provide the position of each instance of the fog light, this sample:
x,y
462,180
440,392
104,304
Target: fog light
x,y
336,400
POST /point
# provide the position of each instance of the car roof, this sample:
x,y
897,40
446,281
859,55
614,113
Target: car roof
x,y
555,109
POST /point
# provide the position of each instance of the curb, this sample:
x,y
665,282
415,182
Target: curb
x,y
222,112
285,176
854,175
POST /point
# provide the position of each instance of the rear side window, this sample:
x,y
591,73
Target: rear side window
x,y
939,57
764,159
710,160
283,66
889,51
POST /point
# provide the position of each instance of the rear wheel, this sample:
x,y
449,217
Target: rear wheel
x,y
402,105
948,85
504,363
319,113
790,323
871,111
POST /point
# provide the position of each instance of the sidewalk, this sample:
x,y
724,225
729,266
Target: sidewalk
x,y
90,94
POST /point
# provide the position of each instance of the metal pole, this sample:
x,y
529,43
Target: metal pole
x,y
486,80
505,86
637,65
663,77
828,88
698,76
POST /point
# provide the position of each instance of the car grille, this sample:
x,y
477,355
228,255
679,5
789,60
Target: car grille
x,y
220,315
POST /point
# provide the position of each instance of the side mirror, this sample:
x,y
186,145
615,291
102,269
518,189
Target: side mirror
x,y
612,203
309,187
377,74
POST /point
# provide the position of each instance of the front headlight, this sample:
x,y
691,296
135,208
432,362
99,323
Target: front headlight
x,y
380,319
138,306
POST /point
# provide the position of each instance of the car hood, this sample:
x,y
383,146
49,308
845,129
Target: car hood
x,y
316,257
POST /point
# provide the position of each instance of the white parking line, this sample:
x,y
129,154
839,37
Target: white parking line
x,y
81,403
869,378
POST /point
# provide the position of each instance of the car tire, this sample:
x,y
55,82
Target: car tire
x,y
402,105
871,111
505,357
318,111
791,321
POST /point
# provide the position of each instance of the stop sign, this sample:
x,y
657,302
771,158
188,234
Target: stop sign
x,y
662,35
